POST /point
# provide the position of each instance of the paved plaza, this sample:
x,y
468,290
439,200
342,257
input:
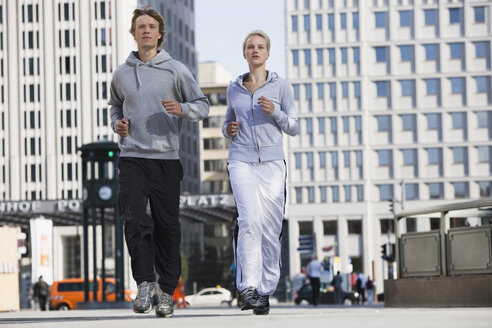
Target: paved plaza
x,y
282,315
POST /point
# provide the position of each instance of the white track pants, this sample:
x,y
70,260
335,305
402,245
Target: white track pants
x,y
259,191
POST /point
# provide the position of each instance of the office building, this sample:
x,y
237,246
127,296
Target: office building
x,y
394,99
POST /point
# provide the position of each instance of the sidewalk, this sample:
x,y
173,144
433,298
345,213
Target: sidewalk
x,y
280,316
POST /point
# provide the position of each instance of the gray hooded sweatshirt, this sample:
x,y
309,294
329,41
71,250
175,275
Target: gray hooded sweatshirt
x,y
260,134
137,89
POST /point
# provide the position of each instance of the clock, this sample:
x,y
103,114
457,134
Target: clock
x,y
105,193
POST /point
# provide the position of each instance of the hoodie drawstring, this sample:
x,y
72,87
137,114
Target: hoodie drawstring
x,y
137,69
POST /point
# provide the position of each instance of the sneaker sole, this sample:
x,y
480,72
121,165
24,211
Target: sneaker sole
x,y
248,306
164,315
259,312
142,312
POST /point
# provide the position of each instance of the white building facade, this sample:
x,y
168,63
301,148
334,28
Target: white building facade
x,y
394,99
57,59
214,148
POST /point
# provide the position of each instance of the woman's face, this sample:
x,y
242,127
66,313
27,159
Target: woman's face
x,y
256,52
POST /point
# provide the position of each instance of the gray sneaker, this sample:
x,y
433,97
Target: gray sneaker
x,y
249,299
165,305
141,304
264,307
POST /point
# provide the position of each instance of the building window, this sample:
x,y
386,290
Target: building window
x,y
319,22
357,89
455,49
411,191
434,156
343,52
436,190
482,84
330,228
345,89
459,120
483,154
387,226
310,194
384,123
404,18
321,93
456,85
459,154
485,188
295,57
360,193
319,56
298,195
431,86
380,19
307,57
385,192
295,87
346,124
479,13
331,21
430,51
430,16
483,119
298,159
382,88
356,54
384,157
294,24
406,87
380,54
322,159
335,194
331,55
343,21
409,157
481,49
355,20
406,53
354,227
307,23
348,193
322,194
346,158
454,15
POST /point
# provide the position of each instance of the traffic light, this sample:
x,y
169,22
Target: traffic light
x,y
383,252
392,205
110,154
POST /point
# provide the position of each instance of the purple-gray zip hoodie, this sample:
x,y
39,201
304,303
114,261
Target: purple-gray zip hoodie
x,y
259,137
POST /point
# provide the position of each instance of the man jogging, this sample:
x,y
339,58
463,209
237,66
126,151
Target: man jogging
x,y
151,95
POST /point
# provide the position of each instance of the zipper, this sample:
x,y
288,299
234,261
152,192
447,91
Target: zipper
x,y
253,116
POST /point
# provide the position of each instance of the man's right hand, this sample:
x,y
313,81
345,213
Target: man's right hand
x,y
232,128
123,127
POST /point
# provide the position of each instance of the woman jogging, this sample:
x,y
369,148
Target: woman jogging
x,y
260,108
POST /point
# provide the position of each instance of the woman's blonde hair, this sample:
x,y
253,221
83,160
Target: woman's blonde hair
x,y
258,33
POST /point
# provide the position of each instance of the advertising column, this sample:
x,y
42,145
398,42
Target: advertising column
x,y
42,249
9,270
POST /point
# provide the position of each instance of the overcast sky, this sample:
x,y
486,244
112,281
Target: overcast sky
x,y
221,25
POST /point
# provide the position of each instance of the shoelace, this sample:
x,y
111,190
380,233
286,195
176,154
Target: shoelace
x,y
143,291
263,299
249,293
165,298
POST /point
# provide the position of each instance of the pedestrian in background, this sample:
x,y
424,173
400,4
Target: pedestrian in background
x,y
314,272
337,285
260,108
151,95
41,291
370,291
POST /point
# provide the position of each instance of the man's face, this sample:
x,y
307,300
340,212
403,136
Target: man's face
x,y
146,32
256,52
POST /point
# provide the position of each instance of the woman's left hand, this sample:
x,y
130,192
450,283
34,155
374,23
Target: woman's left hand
x,y
266,104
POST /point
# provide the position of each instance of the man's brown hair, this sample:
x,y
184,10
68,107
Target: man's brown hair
x,y
149,11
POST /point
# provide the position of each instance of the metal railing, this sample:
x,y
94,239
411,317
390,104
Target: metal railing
x,y
477,208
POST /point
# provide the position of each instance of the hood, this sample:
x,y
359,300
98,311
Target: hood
x,y
272,77
156,62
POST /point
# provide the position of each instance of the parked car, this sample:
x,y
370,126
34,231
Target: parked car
x,y
67,293
326,294
212,296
